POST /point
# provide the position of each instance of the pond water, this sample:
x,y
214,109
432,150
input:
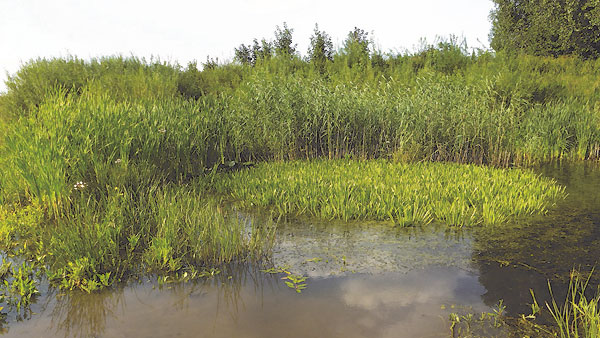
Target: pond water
x,y
363,280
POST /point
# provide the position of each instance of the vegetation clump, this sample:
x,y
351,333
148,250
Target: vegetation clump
x,y
546,28
402,193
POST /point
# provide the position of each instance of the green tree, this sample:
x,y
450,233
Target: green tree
x,y
283,41
249,55
243,55
320,50
547,27
356,47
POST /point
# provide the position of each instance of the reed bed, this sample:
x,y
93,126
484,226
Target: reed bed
x,y
499,109
404,194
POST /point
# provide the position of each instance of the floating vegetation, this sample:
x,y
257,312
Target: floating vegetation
x,y
402,193
293,281
468,324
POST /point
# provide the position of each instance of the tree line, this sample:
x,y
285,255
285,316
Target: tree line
x,y
547,27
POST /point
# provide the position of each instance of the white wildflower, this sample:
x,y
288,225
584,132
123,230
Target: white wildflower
x,y
79,185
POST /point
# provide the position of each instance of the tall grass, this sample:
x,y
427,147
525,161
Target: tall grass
x,y
579,314
439,103
114,188
123,78
401,193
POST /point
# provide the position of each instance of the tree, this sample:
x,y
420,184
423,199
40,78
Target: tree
x,y
356,47
283,41
547,27
320,50
243,55
262,51
249,55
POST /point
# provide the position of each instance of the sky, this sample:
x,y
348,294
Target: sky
x,y
184,30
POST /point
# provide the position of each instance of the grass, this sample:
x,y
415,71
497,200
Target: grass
x,y
402,193
97,243
579,316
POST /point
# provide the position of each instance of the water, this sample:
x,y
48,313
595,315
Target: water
x,y
364,280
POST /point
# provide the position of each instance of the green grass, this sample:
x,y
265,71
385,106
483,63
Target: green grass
x,y
437,104
402,193
165,231
579,316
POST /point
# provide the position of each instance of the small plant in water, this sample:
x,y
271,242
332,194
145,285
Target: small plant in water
x,y
579,316
469,325
293,281
19,289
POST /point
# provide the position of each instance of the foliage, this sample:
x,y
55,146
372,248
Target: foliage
x,y
320,50
19,285
193,83
578,316
291,280
93,152
547,27
123,78
283,43
356,47
106,189
404,194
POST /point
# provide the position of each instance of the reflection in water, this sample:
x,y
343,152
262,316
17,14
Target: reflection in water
x,y
78,314
325,249
526,254
386,305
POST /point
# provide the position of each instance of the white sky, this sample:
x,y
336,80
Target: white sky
x,y
182,30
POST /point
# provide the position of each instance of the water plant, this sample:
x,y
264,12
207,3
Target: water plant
x,y
19,285
579,315
103,162
402,193
291,280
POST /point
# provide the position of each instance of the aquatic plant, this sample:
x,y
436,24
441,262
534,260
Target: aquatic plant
x,y
169,231
471,325
110,153
291,280
19,285
579,316
402,193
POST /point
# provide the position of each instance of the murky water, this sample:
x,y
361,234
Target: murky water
x,y
364,280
